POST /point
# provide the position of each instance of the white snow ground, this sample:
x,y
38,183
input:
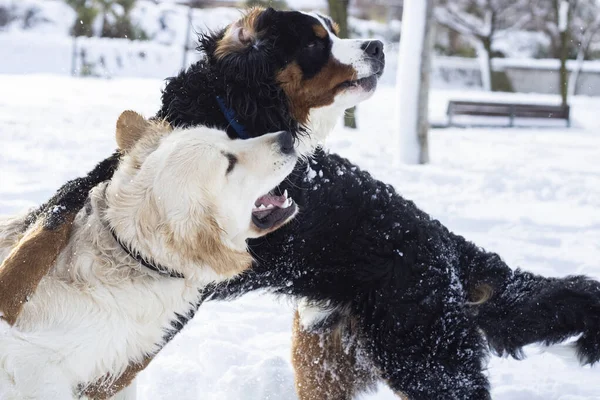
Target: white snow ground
x,y
532,195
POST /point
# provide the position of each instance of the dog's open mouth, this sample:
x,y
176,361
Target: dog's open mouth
x,y
367,83
270,211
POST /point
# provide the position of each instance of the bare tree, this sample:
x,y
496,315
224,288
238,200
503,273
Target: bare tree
x,y
575,27
413,80
591,31
482,21
338,10
563,11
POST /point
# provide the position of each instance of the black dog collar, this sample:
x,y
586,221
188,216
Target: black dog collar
x,y
138,257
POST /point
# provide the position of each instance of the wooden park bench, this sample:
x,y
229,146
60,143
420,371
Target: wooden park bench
x,y
510,110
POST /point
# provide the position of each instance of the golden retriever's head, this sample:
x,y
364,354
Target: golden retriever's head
x,y
193,196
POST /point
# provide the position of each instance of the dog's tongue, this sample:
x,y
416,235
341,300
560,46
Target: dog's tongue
x,y
264,205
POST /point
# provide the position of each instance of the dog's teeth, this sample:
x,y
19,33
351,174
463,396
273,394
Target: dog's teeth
x,y
285,195
262,207
270,206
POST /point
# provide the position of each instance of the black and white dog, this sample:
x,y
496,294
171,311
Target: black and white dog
x,y
386,292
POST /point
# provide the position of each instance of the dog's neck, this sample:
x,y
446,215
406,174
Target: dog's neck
x,y
143,261
312,133
123,218
321,122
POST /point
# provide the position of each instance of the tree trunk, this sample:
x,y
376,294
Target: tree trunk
x,y
413,80
338,10
486,64
581,53
572,83
563,13
564,75
453,41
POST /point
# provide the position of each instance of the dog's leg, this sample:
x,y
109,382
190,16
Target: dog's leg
x,y
324,368
457,375
428,348
27,371
101,390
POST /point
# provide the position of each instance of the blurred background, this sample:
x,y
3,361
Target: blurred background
x,y
500,45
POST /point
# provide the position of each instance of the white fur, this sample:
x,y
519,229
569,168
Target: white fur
x,y
98,309
348,51
11,230
311,315
322,120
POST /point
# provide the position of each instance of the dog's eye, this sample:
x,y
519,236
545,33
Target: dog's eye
x,y
232,161
312,44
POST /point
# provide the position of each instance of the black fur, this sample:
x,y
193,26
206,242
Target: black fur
x,y
72,195
359,247
246,80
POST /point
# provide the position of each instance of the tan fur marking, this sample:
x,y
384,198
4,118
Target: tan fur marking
x,y
336,28
106,388
316,92
209,249
324,370
28,262
320,31
480,294
239,35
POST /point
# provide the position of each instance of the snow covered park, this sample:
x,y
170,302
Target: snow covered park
x,y
530,194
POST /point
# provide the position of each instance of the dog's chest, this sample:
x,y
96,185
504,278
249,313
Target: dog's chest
x,y
101,329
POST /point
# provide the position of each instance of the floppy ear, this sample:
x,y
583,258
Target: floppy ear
x,y
239,35
131,126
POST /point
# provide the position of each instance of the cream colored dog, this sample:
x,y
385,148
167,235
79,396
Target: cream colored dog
x,y
174,218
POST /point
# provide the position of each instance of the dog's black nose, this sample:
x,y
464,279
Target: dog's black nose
x,y
286,142
373,48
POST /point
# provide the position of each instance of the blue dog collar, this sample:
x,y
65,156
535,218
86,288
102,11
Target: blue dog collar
x,y
230,116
